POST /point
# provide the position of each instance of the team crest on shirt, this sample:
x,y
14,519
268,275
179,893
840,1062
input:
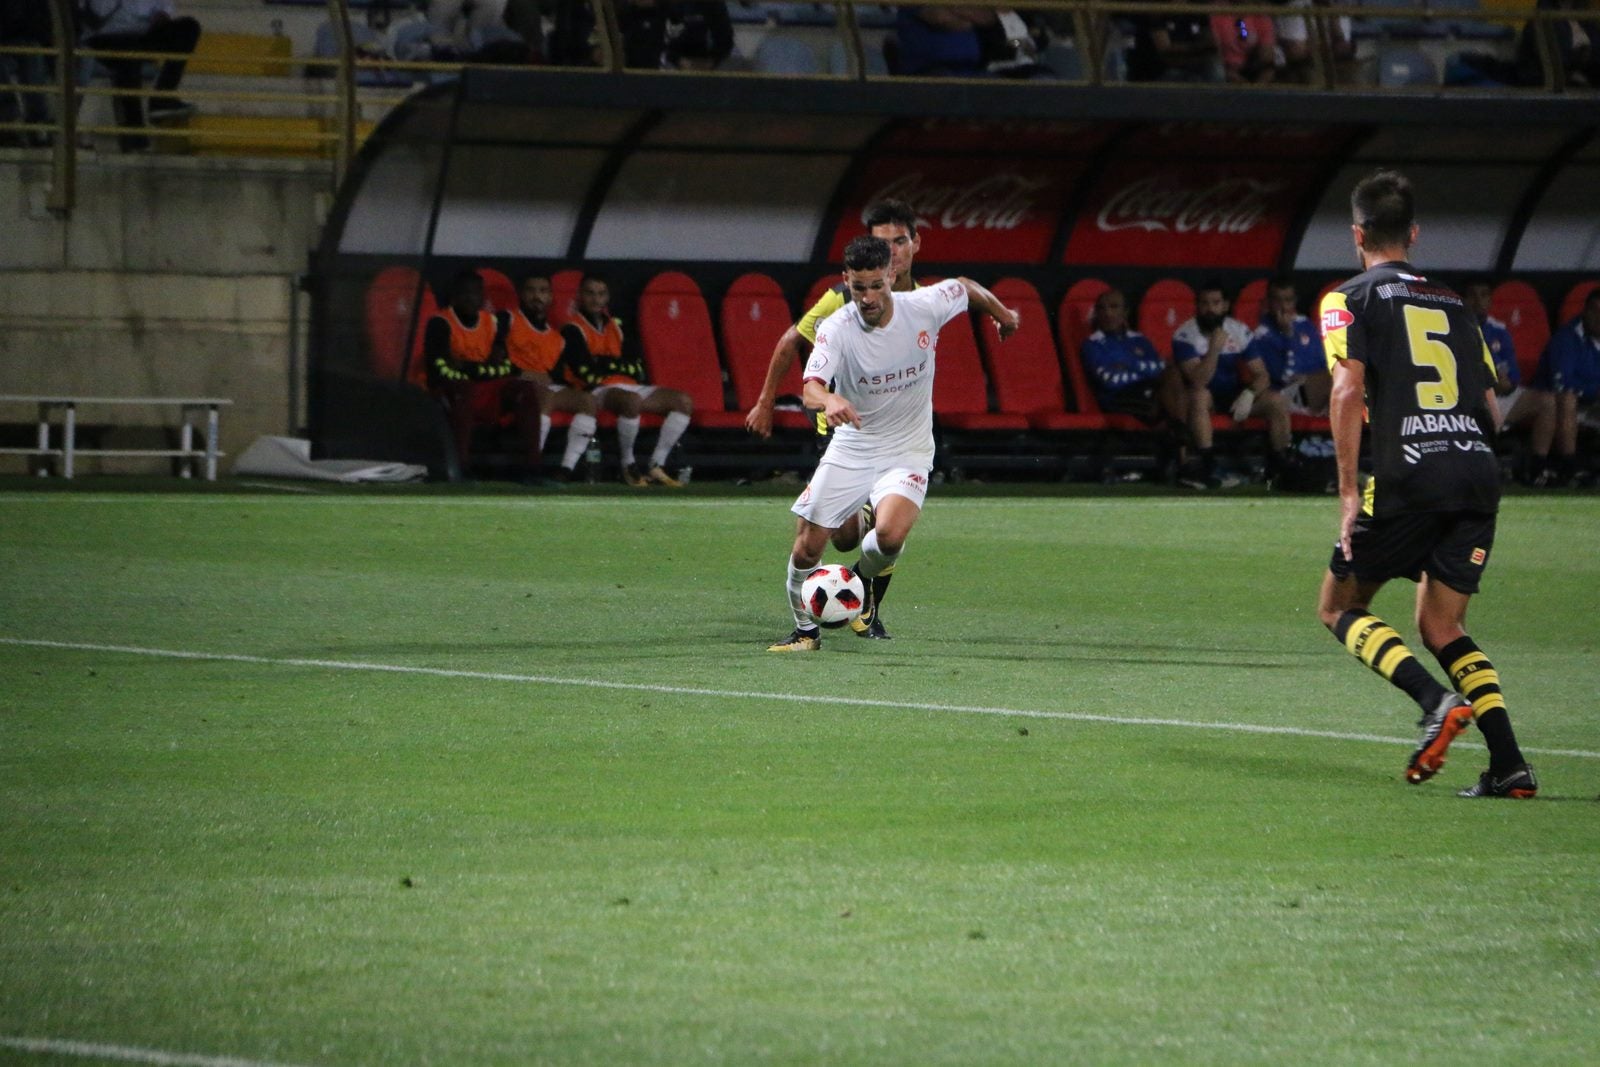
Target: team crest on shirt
x,y
1478,556
1335,319
923,340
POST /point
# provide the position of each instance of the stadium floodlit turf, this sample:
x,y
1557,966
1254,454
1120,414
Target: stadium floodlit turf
x,y
391,779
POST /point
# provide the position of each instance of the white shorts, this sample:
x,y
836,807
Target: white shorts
x,y
835,493
641,391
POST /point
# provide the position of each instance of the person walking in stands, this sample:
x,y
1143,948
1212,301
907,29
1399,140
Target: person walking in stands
x,y
141,26
594,360
1409,359
535,348
464,351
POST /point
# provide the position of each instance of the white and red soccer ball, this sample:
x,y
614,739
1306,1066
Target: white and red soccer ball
x,y
833,595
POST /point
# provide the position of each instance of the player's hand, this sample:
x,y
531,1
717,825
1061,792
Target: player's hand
x,y
1242,405
1349,509
758,420
1009,324
838,411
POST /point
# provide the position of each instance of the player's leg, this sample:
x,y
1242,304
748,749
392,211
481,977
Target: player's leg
x,y
1380,551
1270,405
675,407
1535,409
1566,437
1447,585
625,405
581,406
1200,470
833,493
897,499
869,623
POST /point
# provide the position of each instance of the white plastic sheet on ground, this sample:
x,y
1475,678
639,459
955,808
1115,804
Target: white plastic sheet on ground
x,y
290,457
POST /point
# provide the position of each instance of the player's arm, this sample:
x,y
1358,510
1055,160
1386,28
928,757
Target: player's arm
x,y
441,364
1346,405
758,420
989,304
835,408
1196,369
1255,381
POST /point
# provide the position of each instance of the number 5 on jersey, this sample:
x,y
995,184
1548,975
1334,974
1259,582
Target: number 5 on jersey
x,y
1424,327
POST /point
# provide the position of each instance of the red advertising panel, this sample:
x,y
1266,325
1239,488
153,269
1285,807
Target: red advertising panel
x,y
970,210
1150,213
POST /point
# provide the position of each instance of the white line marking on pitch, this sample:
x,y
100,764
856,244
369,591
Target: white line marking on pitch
x,y
125,1053
739,694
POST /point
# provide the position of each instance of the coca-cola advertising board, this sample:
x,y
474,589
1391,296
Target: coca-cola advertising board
x,y
1157,214
969,210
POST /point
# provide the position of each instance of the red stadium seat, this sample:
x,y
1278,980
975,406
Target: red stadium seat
x,y
679,349
1247,305
960,390
754,317
1024,368
391,298
1165,306
1074,324
498,290
820,286
1315,310
1518,305
1572,303
564,296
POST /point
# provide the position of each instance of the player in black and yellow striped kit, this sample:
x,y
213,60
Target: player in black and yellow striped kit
x,y
1408,350
894,221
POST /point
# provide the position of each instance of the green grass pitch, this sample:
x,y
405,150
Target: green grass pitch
x,y
397,778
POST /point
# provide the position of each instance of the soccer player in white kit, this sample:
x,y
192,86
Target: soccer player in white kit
x,y
879,352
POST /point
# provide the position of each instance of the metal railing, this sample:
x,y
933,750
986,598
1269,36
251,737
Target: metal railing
x,y
336,91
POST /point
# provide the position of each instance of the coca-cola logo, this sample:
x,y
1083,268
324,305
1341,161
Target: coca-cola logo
x,y
998,201
1161,203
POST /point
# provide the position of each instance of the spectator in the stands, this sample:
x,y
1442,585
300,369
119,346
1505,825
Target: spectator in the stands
x,y
1175,47
939,41
1573,41
1296,42
1247,45
24,23
475,31
1011,42
141,26
656,34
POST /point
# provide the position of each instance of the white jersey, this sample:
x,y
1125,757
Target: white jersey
x,y
1188,342
887,375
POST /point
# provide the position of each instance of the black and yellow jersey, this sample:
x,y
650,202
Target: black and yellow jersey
x,y
837,296
1427,375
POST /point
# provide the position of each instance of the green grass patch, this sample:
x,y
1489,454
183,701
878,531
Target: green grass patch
x,y
614,834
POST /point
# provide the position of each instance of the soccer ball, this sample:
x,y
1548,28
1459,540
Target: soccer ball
x,y
833,595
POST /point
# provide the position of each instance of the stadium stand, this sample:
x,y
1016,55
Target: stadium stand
x,y
1519,306
564,295
1024,368
499,290
1074,324
390,300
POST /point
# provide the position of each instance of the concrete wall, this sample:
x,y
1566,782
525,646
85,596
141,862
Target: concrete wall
x,y
173,276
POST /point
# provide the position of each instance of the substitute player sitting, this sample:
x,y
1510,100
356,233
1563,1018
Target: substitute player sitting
x,y
1408,351
879,351
535,348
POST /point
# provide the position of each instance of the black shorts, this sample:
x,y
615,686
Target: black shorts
x,y
1138,400
1450,546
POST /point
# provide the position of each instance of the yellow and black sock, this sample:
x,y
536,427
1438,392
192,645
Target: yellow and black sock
x,y
880,585
1472,673
1377,644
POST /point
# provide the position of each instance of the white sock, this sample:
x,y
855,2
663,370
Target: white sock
x,y
874,560
672,428
627,434
579,434
544,430
797,578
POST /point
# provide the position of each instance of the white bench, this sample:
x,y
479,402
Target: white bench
x,y
190,408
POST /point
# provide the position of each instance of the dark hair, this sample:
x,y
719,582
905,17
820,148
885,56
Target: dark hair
x,y
591,276
526,278
866,253
1478,279
1213,285
1100,300
1282,281
1382,205
890,212
465,276
1594,294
